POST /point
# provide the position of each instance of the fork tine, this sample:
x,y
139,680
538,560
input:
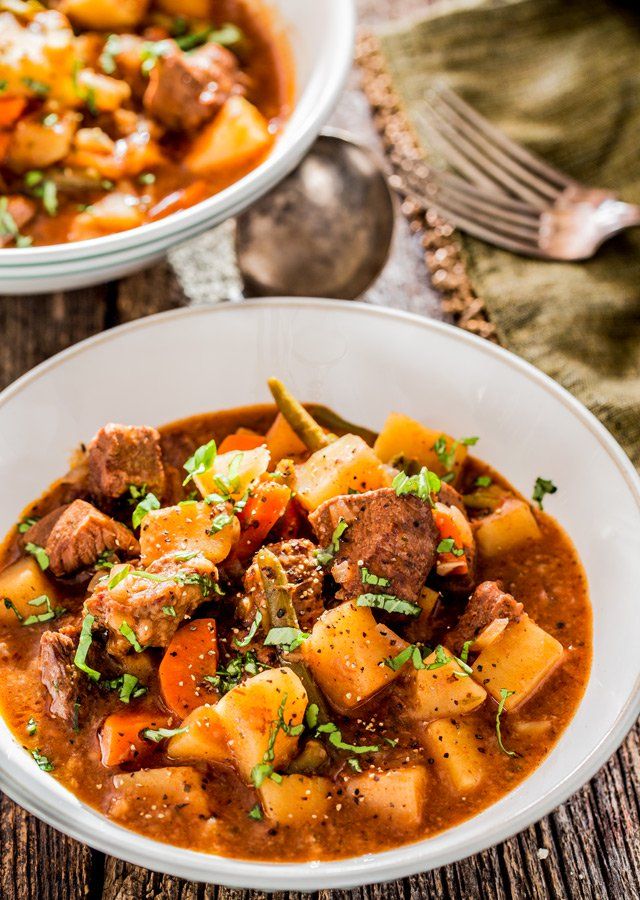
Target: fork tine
x,y
497,171
481,225
449,150
472,227
529,160
511,168
435,179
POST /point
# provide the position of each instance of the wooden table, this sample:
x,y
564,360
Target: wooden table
x,y
589,847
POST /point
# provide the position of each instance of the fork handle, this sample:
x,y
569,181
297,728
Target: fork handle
x,y
616,215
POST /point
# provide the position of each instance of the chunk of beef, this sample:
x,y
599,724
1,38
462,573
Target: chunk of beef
x,y
305,578
186,90
22,210
75,535
395,538
488,602
152,606
58,672
124,455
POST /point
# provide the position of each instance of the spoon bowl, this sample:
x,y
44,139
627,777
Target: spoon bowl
x,y
325,231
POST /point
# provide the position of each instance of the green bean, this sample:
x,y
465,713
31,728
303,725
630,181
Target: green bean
x,y
331,420
282,613
307,429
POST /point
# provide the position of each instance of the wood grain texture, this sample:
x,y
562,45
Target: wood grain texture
x,y
593,840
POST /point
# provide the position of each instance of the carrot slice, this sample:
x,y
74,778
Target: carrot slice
x,y
452,526
121,738
11,108
192,654
241,441
261,513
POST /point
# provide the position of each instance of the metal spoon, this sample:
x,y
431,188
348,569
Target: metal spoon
x,y
325,231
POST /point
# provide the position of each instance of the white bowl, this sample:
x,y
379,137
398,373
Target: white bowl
x,y
321,37
363,362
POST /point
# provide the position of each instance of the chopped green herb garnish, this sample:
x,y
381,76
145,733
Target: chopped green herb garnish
x,y
50,196
393,742
447,457
264,769
9,604
369,578
127,684
464,653
150,53
46,616
287,638
39,553
31,727
106,60
118,577
448,545
354,762
504,696
311,715
325,556
146,505
169,611
106,560
243,663
43,763
127,631
221,521
185,556
227,36
413,652
159,734
255,813
251,633
422,485
389,603
84,642
50,120
335,739
542,487
146,178
483,481
26,524
201,461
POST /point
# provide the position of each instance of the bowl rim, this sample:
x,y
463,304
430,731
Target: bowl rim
x,y
370,868
310,112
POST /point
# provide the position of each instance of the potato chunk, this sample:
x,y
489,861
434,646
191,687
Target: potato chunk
x,y
20,583
396,798
105,15
440,693
346,653
38,57
34,145
346,464
205,738
107,94
456,749
113,213
511,524
519,660
249,714
160,792
403,437
190,527
238,135
297,799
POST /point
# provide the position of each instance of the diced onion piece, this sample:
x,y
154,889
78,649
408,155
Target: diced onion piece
x,y
489,634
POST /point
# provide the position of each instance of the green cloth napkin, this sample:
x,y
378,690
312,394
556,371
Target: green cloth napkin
x,y
563,78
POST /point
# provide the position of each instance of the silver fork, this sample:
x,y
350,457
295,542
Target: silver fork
x,y
504,194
